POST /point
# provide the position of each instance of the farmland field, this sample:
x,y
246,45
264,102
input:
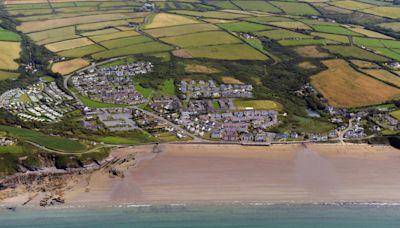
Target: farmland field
x,y
368,42
69,66
257,6
114,35
180,30
54,35
197,68
296,8
291,25
303,42
370,33
364,64
9,52
167,20
345,87
127,41
384,75
82,51
334,37
244,27
226,52
231,80
283,34
211,14
334,30
68,44
202,39
149,47
9,36
354,52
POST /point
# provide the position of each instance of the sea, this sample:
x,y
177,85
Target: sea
x,y
340,215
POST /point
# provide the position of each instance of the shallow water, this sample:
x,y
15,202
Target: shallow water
x,y
256,215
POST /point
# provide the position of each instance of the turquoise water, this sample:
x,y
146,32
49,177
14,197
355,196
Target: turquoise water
x,y
280,216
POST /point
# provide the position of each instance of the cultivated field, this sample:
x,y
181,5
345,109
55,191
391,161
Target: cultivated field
x,y
202,39
231,80
197,68
296,8
180,30
283,34
244,27
364,64
344,87
257,6
354,52
4,75
384,76
166,20
69,66
82,51
226,52
68,44
9,52
123,42
311,52
149,47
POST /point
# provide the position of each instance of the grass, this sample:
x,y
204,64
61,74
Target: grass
x,y
226,52
280,34
391,43
370,33
146,92
96,104
395,26
295,8
4,75
342,86
202,39
114,35
257,105
47,79
355,52
9,52
166,20
334,30
82,51
104,24
310,125
135,137
388,53
9,36
396,114
384,75
68,44
368,42
118,62
223,4
143,48
100,32
243,27
11,149
210,14
163,56
267,20
51,142
180,30
257,6
352,5
168,88
123,42
69,66
230,80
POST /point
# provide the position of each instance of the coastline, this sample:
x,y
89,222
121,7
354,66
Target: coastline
x,y
198,174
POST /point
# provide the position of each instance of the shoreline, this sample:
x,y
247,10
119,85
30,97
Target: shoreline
x,y
199,174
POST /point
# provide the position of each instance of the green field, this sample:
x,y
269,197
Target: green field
x,y
202,39
388,53
51,142
227,52
4,75
97,104
11,149
82,51
180,30
123,42
267,20
210,14
334,37
146,92
303,42
9,36
391,43
295,8
310,125
396,114
223,4
149,47
244,27
257,104
168,88
335,30
355,52
283,34
135,137
368,42
257,6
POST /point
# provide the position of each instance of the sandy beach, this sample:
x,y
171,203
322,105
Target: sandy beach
x,y
195,173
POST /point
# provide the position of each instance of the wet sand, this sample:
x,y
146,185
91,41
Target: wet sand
x,y
227,173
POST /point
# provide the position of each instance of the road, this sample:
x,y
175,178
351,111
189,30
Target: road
x,y
342,133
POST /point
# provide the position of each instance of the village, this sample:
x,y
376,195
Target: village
x,y
41,102
209,89
112,85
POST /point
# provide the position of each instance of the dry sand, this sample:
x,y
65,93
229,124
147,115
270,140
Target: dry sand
x,y
226,173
